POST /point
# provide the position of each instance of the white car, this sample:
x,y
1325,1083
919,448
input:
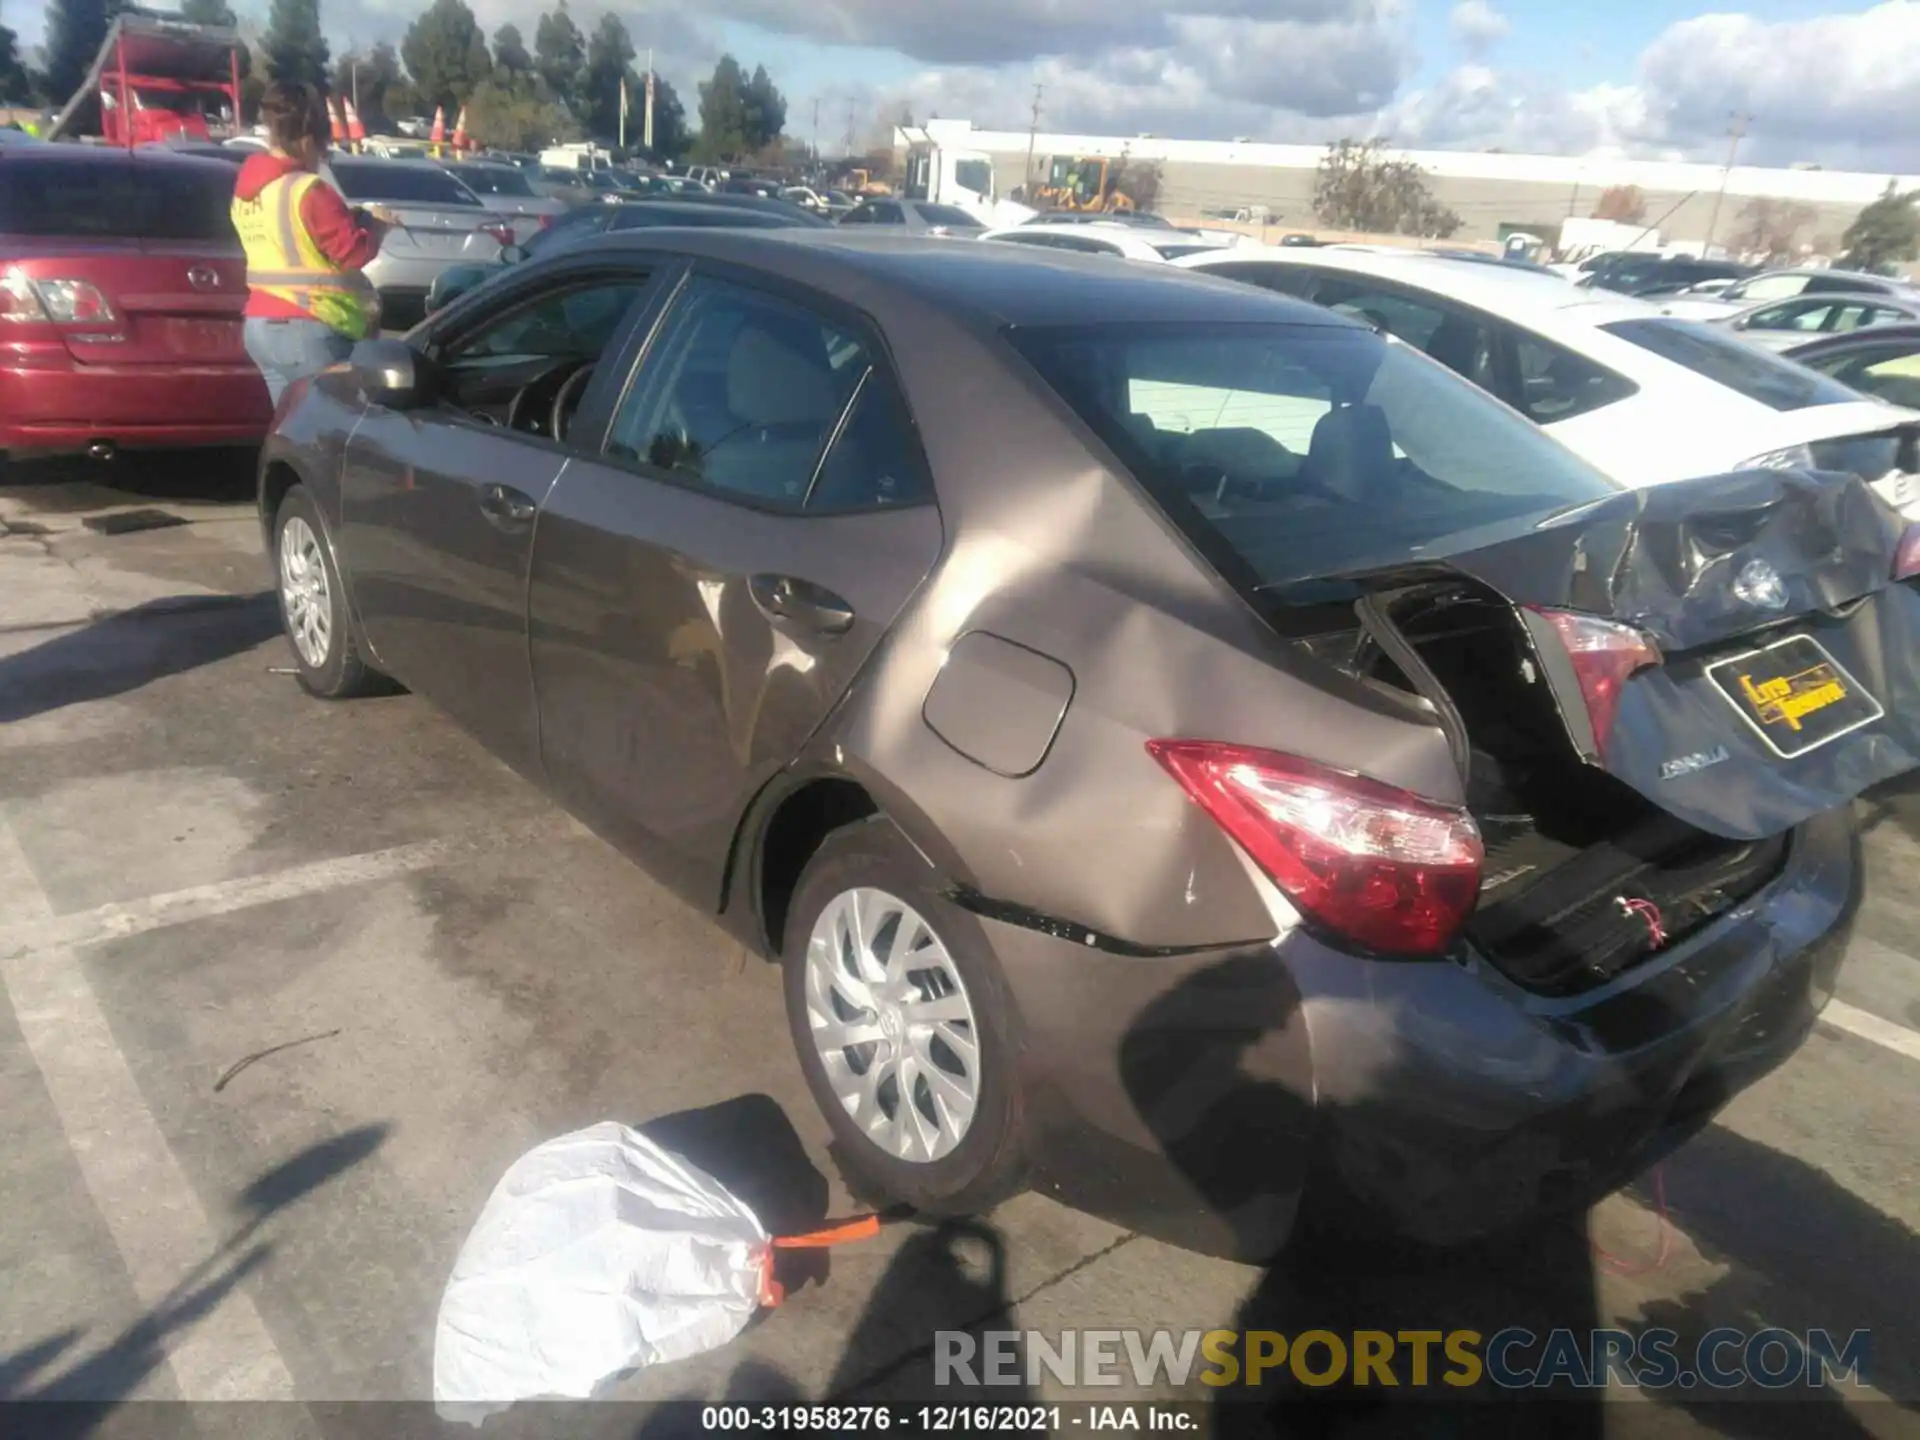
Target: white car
x,y
1779,285
1129,242
1782,324
1644,396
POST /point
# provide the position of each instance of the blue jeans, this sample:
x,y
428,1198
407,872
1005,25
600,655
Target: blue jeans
x,y
287,350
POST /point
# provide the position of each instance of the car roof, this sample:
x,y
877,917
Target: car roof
x,y
1829,297
59,153
1510,290
1003,284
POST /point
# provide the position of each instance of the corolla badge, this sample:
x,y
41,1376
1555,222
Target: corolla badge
x,y
1692,764
1760,585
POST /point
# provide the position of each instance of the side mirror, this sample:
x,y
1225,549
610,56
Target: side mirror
x,y
456,280
512,254
389,373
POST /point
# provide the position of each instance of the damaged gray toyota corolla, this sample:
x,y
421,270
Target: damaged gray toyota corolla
x,y
1186,749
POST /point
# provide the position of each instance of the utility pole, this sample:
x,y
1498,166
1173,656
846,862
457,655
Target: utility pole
x,y
1736,131
1573,200
853,123
816,129
1033,130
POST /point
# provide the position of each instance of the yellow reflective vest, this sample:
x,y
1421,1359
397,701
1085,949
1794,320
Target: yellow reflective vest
x,y
284,261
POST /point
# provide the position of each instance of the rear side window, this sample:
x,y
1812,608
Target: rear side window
x,y
1287,279
1458,340
1843,285
1304,450
876,461
399,184
1726,360
1556,384
133,200
739,394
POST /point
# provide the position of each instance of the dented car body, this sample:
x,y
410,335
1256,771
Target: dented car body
x,y
1356,803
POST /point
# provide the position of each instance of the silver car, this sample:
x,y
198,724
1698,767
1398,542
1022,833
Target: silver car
x,y
441,223
506,191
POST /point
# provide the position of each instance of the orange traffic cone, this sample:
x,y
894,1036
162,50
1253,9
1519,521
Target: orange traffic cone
x,y
356,132
439,133
460,129
337,119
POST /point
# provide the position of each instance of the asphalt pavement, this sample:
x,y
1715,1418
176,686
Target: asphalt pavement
x,y
285,986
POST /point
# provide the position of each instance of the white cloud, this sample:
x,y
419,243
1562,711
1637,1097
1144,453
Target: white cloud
x,y
1476,26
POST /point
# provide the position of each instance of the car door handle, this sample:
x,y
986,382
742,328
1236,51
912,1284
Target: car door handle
x,y
505,505
800,603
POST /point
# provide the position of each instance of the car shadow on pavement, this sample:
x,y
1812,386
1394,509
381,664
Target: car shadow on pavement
x,y
121,652
219,476
79,1397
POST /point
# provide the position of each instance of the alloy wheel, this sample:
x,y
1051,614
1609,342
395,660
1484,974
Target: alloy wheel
x,y
893,1025
305,596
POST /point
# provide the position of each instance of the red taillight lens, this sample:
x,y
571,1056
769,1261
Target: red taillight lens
x,y
1605,654
546,222
1377,866
1906,560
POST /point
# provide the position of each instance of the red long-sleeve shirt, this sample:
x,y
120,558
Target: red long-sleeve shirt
x,y
340,237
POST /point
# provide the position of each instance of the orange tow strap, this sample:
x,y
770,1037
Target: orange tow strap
x,y
771,1290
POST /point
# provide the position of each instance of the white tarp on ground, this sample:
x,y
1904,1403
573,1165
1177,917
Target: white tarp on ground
x,y
597,1253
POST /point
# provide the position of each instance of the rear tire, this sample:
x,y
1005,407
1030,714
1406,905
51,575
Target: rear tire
x,y
959,1148
313,604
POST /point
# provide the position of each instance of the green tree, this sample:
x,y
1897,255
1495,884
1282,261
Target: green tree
x,y
609,61
1360,187
296,50
514,112
766,110
209,12
375,84
75,31
510,51
726,125
446,55
18,85
1885,231
559,54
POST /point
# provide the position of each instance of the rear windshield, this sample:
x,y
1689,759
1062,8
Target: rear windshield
x,y
1306,450
399,184
949,215
132,199
1745,369
577,226
496,181
1173,251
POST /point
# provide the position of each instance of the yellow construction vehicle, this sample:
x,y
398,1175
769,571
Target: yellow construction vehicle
x,y
1083,183
860,183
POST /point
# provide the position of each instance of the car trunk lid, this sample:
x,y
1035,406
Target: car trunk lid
x,y
1783,671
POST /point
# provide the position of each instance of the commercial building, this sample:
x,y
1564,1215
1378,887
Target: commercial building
x,y
1493,193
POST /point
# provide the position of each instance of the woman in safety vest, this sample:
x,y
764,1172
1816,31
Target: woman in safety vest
x,y
307,301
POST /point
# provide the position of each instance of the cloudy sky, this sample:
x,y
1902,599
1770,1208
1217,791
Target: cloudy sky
x,y
1654,77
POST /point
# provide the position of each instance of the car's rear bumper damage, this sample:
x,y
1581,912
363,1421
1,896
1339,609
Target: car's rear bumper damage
x,y
1206,1098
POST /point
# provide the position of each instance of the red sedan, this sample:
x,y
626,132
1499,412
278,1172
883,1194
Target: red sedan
x,y
121,286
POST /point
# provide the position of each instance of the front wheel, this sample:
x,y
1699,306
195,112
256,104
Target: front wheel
x,y
313,603
899,1014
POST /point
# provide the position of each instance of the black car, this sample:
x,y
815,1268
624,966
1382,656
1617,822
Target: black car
x,y
589,221
1637,274
1881,360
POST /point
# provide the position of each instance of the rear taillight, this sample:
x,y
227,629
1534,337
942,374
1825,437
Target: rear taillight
x,y
1906,560
499,230
1605,654
546,222
62,302
1378,867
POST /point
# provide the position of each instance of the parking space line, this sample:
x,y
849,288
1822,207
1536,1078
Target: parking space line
x,y
1868,1026
137,1185
30,936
